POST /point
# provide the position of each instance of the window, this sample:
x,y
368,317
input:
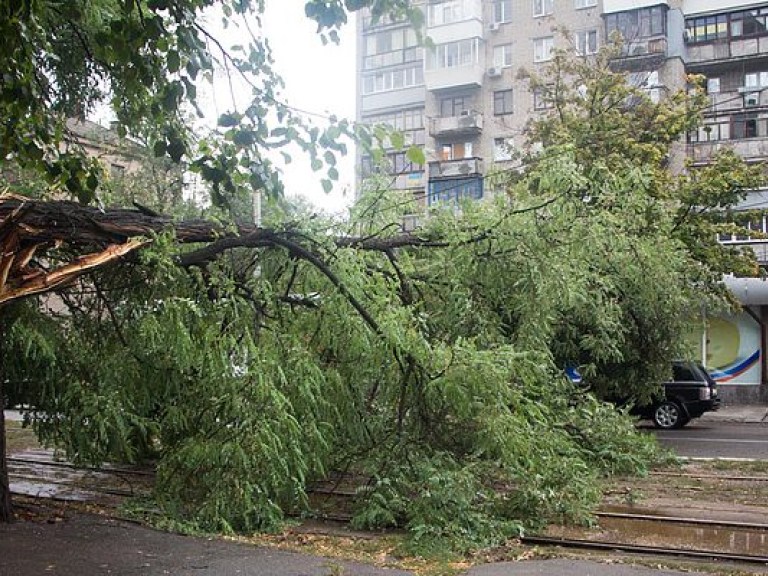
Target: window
x,y
447,12
706,29
586,42
756,80
393,79
748,126
502,56
392,163
542,7
542,49
713,85
391,47
453,106
454,54
579,4
750,22
502,11
452,190
635,24
456,151
410,122
502,102
503,149
542,99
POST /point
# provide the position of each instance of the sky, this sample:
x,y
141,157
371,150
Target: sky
x,y
319,79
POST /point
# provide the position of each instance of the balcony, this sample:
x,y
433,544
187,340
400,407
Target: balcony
x,y
752,149
454,20
455,168
727,49
758,247
643,54
470,123
746,133
454,77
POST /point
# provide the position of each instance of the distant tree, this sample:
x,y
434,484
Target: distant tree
x,y
662,216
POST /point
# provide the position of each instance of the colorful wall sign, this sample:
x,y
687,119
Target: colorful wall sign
x,y
732,349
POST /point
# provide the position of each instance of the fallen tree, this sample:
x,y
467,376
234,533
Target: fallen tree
x,y
249,362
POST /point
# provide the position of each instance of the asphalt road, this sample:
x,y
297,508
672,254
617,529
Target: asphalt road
x,y
701,439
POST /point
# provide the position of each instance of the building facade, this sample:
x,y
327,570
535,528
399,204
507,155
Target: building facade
x,y
463,100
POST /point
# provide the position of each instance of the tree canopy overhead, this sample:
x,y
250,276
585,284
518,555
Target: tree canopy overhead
x,y
146,59
251,362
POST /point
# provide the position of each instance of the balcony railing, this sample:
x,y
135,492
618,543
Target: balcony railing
x,y
468,123
455,168
746,133
725,48
758,247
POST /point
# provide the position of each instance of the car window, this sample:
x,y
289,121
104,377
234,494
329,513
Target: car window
x,y
683,373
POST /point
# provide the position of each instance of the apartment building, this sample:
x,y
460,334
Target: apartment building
x,y
464,101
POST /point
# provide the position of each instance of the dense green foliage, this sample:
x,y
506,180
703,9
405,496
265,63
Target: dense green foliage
x,y
432,372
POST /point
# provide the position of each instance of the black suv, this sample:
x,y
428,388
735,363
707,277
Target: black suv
x,y
691,393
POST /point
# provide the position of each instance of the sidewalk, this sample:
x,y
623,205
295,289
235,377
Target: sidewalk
x,y
744,413
77,544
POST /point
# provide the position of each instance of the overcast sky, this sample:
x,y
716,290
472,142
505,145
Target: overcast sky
x,y
320,79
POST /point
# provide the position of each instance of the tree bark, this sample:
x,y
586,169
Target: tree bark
x,y
6,505
29,228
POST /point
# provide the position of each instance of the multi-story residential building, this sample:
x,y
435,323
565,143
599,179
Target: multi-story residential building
x,y
462,99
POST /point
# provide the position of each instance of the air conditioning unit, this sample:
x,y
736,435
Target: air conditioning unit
x,y
752,99
494,72
493,26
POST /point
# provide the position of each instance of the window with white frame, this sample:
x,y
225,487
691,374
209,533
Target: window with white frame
x,y
393,79
502,56
586,42
390,48
502,11
542,7
503,149
447,12
713,85
454,54
579,4
542,48
756,79
502,102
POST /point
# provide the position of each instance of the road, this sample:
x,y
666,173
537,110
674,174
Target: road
x,y
704,439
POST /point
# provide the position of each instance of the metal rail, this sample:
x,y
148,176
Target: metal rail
x,y
656,550
683,520
54,464
529,540
711,476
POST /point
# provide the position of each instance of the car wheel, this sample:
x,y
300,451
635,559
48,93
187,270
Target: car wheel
x,y
668,415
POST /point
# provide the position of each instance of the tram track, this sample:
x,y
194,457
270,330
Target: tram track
x,y
585,544
111,482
